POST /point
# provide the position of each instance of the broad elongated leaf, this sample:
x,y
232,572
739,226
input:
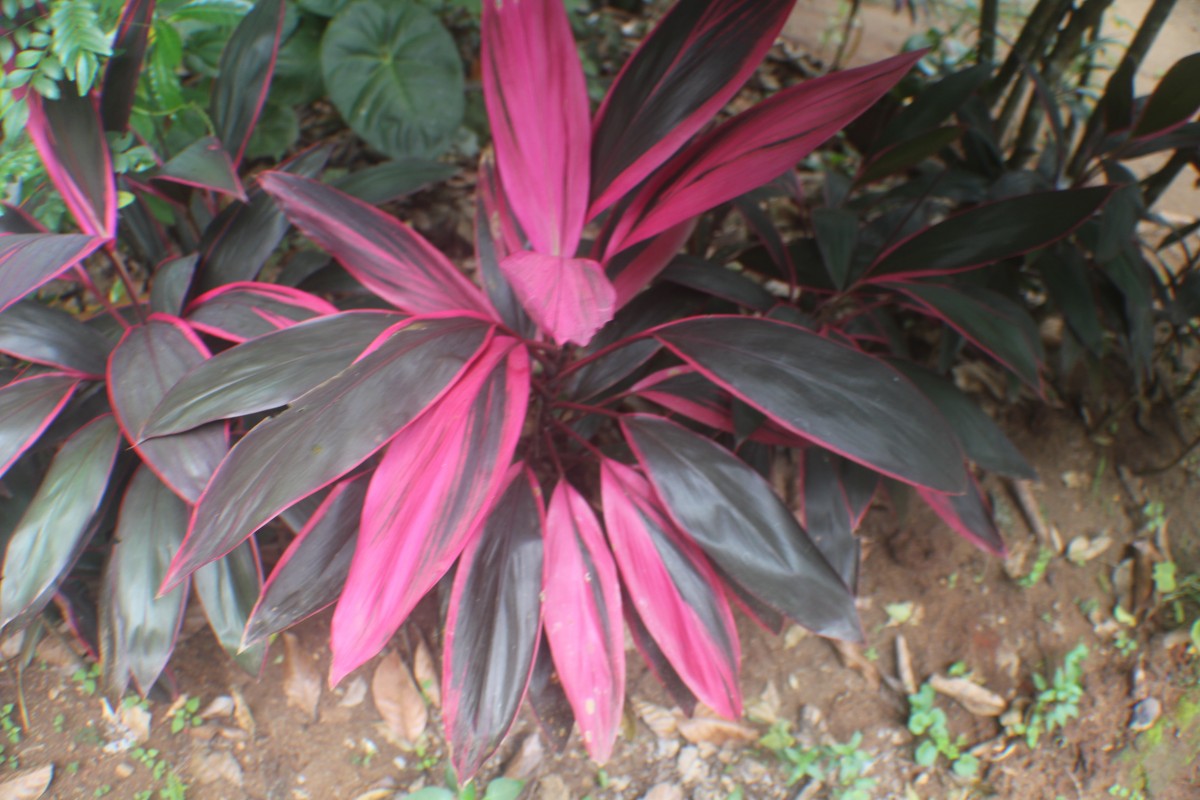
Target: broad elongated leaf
x,y
267,372
30,331
538,107
569,298
548,700
434,483
55,527
242,311
836,232
228,589
125,66
732,513
932,106
28,260
395,75
142,627
653,655
718,281
312,571
676,593
990,233
581,607
204,164
835,395
70,140
27,407
1065,274
827,514
859,485
689,67
969,515
634,268
382,253
493,625
244,74
908,153
149,360
391,180
981,438
754,147
493,227
172,279
1175,100
327,432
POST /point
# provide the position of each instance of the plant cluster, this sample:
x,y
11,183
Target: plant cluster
x,y
1056,701
841,767
928,723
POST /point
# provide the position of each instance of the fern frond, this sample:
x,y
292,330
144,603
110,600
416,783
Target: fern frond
x,y
78,40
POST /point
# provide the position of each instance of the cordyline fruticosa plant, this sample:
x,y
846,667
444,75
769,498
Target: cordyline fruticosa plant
x,y
569,444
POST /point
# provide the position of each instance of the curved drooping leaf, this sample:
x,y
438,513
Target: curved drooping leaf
x,y
969,515
437,479
395,75
382,253
312,571
141,626
676,593
845,400
732,513
990,233
70,140
581,609
493,625
391,180
981,438
55,527
172,279
228,589
908,153
568,298
859,484
148,361
206,165
537,104
548,700
29,260
683,73
1064,271
327,432
30,331
267,372
125,65
244,74
243,311
827,514
1175,100
27,407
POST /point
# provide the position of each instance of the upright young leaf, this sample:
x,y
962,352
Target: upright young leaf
x,y
244,74
327,432
125,66
676,593
56,526
30,331
205,165
493,624
568,298
28,260
683,73
582,610
239,312
429,492
27,407
228,589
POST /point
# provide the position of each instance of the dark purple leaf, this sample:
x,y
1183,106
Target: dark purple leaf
x,y
653,655
827,514
1175,100
969,515
172,280
125,66
492,217
932,106
228,588
27,407
205,165
549,701
244,75
30,331
907,154
718,281
243,311
28,260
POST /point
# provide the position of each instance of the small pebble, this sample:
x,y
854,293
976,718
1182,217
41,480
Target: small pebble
x,y
123,770
1145,714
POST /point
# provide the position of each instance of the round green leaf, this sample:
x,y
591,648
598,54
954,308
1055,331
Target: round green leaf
x,y
395,75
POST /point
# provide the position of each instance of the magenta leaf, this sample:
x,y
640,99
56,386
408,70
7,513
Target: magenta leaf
x,y
228,589
754,147
493,624
140,628
495,238
632,269
244,75
70,140
57,525
125,66
969,515
568,298
675,592
383,254
241,311
149,360
658,663
537,103
205,165
30,331
436,480
27,407
312,571
28,260
684,72
582,610
327,432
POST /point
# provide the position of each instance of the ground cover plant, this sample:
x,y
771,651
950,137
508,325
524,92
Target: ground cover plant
x,y
560,446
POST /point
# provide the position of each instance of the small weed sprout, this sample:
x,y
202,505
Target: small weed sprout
x,y
841,767
927,722
186,716
87,678
1056,701
1045,555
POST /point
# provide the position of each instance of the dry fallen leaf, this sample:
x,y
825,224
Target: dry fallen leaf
x,y
28,784
662,722
904,665
241,713
425,673
718,732
664,791
356,692
970,695
301,682
398,700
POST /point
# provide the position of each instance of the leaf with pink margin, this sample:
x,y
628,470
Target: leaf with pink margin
x,y
238,312
30,331
437,479
327,432
684,72
29,260
145,364
754,147
70,140
675,591
582,617
380,252
125,67
27,407
568,298
228,589
634,268
244,75
537,104
204,164
969,515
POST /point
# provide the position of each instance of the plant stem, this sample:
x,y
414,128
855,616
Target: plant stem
x,y
126,279
989,14
1037,32
90,285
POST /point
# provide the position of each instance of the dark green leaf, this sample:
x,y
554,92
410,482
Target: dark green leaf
x,y
836,232
934,105
908,153
228,589
204,164
1174,100
31,331
391,180
247,63
1065,274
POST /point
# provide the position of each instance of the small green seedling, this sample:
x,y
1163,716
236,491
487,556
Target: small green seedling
x,y
87,678
1035,575
927,722
1057,700
186,716
841,768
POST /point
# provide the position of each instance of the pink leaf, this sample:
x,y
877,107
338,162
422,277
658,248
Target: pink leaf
x,y
582,611
569,298
437,479
28,260
538,106
632,270
675,590
382,253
